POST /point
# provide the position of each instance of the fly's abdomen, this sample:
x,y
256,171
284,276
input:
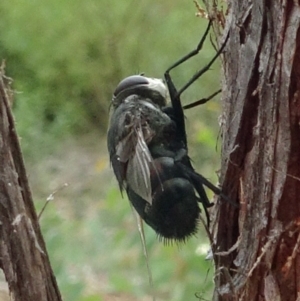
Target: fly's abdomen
x,y
175,208
174,211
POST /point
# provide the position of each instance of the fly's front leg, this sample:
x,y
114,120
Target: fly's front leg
x,y
204,69
194,52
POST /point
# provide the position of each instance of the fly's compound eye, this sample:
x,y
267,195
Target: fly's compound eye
x,y
147,88
130,82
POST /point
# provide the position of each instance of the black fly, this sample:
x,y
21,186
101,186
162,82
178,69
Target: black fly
x,y
148,151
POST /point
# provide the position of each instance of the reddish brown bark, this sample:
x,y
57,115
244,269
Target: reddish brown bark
x,y
257,245
23,255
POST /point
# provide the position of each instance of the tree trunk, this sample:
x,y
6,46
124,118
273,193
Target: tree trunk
x,y
23,255
257,245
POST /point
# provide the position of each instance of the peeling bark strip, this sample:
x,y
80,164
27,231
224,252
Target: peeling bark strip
x,y
23,255
260,154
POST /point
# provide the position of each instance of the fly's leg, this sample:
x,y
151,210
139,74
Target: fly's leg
x,y
194,52
172,89
174,94
204,69
201,101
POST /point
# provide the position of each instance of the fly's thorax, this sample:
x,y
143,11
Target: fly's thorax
x,y
139,110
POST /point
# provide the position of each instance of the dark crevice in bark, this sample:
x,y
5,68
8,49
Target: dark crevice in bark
x,y
244,28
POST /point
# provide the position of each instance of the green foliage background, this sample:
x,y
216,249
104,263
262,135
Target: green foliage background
x,y
66,58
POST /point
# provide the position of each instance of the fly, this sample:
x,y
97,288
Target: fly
x,y
147,144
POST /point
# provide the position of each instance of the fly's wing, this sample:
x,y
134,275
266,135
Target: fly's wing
x,y
118,142
138,168
130,156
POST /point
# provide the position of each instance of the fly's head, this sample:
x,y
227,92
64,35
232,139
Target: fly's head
x,y
151,89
